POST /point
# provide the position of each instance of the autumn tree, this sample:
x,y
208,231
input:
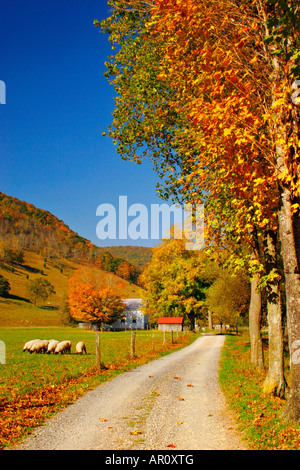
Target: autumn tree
x,y
228,297
126,271
40,289
150,120
227,115
93,299
175,282
4,286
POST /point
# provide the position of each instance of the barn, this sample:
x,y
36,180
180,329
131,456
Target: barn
x,y
170,323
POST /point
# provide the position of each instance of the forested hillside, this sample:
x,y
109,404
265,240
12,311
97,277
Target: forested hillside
x,y
34,244
25,227
139,256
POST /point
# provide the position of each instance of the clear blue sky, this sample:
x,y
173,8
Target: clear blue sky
x,y
58,102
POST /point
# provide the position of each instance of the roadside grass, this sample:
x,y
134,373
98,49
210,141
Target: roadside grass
x,y
259,416
35,386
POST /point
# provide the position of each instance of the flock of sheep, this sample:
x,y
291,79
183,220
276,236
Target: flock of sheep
x,y
52,346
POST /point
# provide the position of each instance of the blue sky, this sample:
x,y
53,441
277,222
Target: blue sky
x,y
58,103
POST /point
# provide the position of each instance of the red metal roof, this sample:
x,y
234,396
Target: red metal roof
x,y
171,320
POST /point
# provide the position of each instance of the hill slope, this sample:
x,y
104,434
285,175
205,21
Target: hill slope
x,y
18,311
50,249
139,256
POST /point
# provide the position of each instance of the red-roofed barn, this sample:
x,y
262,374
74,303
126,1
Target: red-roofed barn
x,y
170,323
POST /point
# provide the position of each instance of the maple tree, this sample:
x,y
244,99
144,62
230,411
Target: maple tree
x,y
149,112
224,120
93,300
260,66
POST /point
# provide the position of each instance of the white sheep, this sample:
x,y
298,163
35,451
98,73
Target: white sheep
x,y
80,348
28,345
52,345
39,346
63,347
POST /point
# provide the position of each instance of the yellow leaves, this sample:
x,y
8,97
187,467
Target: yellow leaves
x,y
264,222
227,131
259,181
278,103
136,433
295,208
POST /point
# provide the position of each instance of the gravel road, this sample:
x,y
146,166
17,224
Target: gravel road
x,y
173,401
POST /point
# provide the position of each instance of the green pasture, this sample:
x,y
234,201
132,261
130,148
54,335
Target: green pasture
x,y
25,372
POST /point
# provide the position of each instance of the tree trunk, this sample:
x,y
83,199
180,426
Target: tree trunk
x,y
210,321
275,383
257,357
288,230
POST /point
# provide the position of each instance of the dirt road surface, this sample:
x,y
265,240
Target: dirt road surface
x,y
171,403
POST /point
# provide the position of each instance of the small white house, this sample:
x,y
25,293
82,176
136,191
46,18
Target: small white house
x,y
134,318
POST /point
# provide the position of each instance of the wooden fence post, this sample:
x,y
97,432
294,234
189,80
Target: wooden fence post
x,y
164,340
98,352
132,344
171,336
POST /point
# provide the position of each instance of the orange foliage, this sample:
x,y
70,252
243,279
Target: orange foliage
x,y
93,300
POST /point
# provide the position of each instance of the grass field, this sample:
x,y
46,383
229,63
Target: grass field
x,y
34,386
259,415
18,311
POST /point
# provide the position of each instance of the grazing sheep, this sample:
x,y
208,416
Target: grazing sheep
x,y
28,345
80,348
35,346
63,347
39,346
52,345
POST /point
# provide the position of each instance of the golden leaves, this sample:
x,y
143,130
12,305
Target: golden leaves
x,y
136,433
